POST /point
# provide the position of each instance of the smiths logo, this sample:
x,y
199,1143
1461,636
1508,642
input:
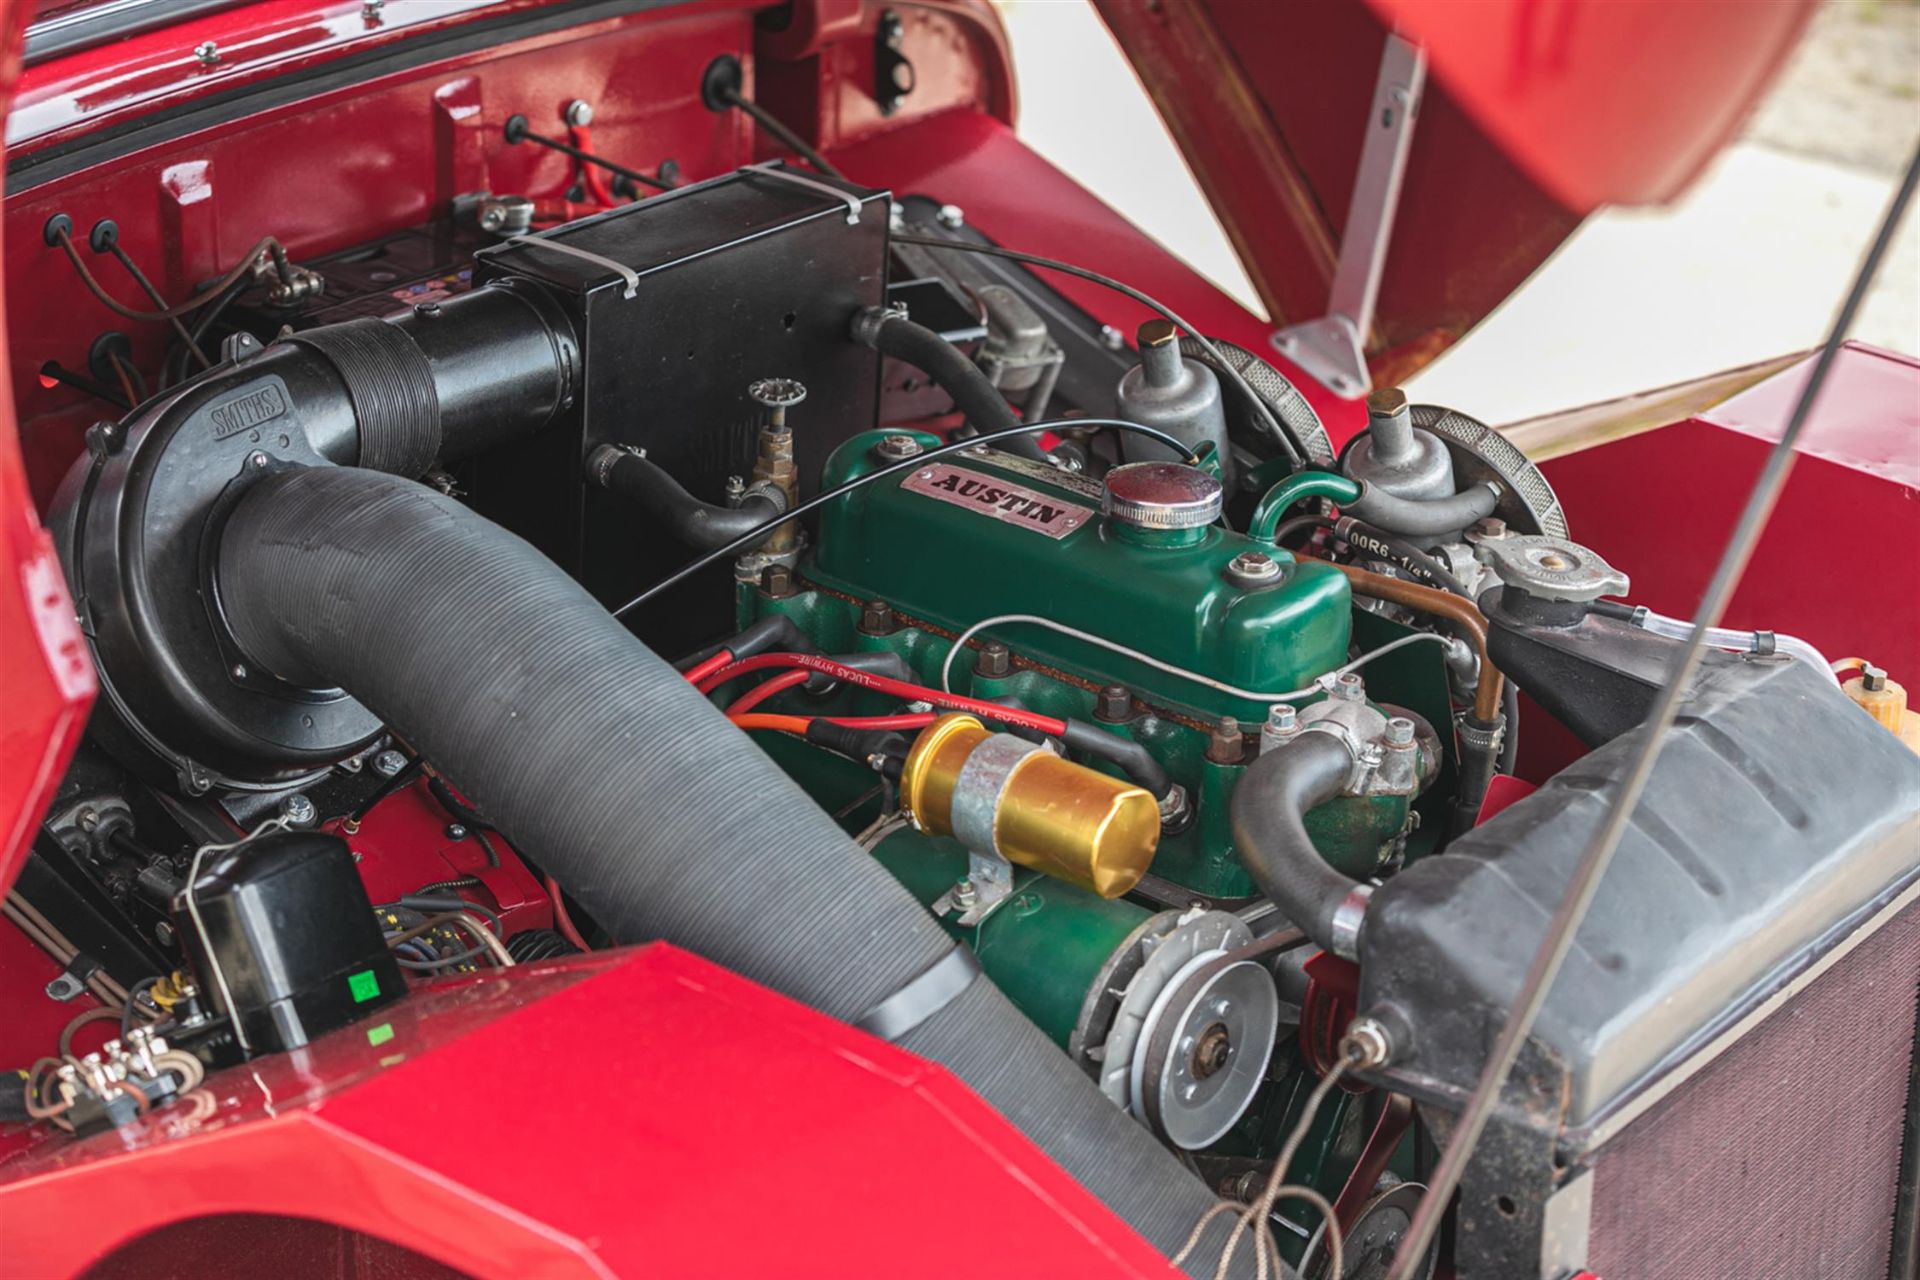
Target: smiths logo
x,y
999,500
246,411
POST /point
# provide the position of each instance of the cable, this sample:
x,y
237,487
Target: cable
x,y
1651,735
885,684
707,666
800,724
892,469
787,138
766,689
1286,442
154,296
1261,1208
1293,695
267,244
91,1015
133,996
561,920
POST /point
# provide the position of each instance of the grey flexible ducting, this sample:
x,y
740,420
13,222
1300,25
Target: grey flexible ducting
x,y
604,764
1270,803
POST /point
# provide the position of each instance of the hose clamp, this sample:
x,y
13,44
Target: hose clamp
x,y
1346,922
921,998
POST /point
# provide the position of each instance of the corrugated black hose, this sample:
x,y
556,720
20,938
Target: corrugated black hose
x,y
591,753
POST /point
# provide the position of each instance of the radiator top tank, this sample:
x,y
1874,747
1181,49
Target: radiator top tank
x,y
1139,560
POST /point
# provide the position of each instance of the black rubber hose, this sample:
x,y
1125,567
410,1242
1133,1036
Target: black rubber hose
x,y
1270,803
615,775
1133,759
1423,517
693,523
763,635
985,409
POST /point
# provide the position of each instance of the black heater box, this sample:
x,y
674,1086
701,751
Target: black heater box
x,y
680,302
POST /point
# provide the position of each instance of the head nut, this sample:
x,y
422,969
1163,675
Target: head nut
x,y
995,661
893,448
1399,731
1113,704
776,581
1226,745
876,618
1253,569
1349,687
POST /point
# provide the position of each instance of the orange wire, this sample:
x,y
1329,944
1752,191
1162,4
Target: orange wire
x,y
784,724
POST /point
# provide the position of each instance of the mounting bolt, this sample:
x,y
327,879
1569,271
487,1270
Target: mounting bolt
x,y
1112,339
1872,678
370,11
298,810
1368,1043
995,661
1252,569
964,894
895,448
776,581
579,113
1226,745
456,831
1491,527
1349,687
207,53
256,460
876,618
239,671
952,217
388,764
1282,726
1114,704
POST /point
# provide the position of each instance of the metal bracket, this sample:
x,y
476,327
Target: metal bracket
x,y
1331,348
989,883
71,981
777,169
624,271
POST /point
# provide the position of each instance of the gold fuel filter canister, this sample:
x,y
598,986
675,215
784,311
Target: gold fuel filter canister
x,y
996,792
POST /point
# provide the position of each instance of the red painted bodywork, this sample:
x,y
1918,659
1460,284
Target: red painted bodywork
x,y
681,1121
667,1117
1620,102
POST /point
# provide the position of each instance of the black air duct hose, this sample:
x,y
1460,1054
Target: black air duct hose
x,y
986,410
666,822
1270,803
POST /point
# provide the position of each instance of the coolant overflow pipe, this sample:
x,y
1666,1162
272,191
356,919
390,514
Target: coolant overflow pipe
x,y
1413,517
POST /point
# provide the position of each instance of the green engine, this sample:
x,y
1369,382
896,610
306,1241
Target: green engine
x,y
1125,605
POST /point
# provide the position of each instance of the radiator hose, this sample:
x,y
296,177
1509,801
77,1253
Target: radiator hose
x,y
591,753
986,410
1270,805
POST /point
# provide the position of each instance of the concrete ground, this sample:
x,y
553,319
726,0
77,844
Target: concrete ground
x,y
1751,263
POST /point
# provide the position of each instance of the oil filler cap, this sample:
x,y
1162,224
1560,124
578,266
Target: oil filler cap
x,y
1161,495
